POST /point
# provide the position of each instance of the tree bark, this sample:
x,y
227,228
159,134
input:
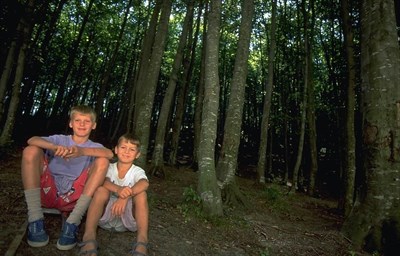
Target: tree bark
x,y
267,100
350,141
208,189
227,162
300,146
63,82
158,153
111,63
26,26
378,211
145,107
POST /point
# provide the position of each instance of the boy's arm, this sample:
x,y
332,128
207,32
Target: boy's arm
x,y
111,186
139,187
97,152
42,143
68,152
122,192
59,150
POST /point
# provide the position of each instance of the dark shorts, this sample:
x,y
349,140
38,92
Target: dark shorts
x,y
50,197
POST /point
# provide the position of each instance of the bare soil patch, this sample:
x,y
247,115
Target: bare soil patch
x,y
277,223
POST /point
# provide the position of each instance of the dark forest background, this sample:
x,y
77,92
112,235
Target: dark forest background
x,y
269,90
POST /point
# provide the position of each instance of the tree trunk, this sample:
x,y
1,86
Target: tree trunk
x,y
158,153
63,83
227,162
207,186
144,62
145,107
200,93
377,214
300,147
110,66
350,141
267,100
6,74
312,130
26,26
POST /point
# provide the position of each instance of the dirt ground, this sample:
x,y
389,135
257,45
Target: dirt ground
x,y
275,223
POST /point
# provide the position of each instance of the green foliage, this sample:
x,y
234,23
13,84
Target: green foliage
x,y
191,205
275,198
265,253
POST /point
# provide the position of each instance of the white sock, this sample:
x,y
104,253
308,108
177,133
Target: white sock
x,y
32,197
79,210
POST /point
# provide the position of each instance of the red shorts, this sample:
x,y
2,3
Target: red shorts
x,y
50,197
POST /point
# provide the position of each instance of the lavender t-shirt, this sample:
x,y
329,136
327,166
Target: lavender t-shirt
x,y
65,171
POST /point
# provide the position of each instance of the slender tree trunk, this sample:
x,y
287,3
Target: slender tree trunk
x,y
110,66
158,153
312,130
267,100
6,74
207,186
144,63
27,26
144,109
350,152
374,222
200,94
71,58
227,162
300,147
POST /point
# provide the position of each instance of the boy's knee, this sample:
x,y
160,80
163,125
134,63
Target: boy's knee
x,y
102,162
101,192
32,152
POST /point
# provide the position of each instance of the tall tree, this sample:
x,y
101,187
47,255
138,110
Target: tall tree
x,y
207,186
145,104
71,58
267,100
312,129
158,153
228,157
304,102
375,219
349,172
104,83
26,25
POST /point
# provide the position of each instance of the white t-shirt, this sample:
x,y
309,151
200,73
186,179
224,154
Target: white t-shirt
x,y
126,221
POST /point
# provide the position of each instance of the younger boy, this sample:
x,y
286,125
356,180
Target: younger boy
x,y
63,172
124,193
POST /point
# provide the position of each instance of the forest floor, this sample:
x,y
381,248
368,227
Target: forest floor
x,y
276,223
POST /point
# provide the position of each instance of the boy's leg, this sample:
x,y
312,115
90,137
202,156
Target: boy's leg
x,y
95,211
97,174
141,211
31,170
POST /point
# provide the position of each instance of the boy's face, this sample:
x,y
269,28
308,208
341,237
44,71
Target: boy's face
x,y
82,124
127,152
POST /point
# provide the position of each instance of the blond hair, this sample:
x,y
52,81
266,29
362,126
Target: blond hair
x,y
83,109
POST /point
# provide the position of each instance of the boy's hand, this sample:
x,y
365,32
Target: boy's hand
x,y
62,151
124,192
74,151
118,208
68,152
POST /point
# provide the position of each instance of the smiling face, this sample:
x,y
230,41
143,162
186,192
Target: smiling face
x,y
127,151
82,124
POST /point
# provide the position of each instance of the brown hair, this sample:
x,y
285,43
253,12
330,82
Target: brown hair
x,y
131,138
